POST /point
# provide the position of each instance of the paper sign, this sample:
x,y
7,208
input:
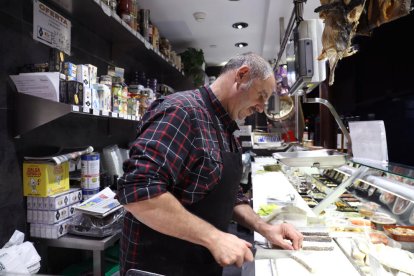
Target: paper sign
x,y
369,141
51,28
44,85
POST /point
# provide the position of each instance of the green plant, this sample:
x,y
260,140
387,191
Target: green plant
x,y
193,60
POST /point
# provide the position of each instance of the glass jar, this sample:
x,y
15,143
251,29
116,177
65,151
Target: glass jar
x,y
124,10
111,3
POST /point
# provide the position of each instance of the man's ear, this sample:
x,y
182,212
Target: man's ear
x,y
242,74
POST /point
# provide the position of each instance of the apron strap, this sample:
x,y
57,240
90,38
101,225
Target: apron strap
x,y
204,93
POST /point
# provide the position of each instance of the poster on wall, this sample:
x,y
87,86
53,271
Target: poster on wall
x,y
51,28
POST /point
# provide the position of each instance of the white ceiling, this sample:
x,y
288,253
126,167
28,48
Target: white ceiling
x,y
175,20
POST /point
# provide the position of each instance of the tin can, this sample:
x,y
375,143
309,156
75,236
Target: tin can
x,y
90,182
90,164
88,193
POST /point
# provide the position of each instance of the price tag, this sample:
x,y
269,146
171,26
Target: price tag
x,y
95,112
133,118
86,109
129,117
75,108
114,115
105,113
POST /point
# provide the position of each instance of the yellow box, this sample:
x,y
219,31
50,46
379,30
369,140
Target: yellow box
x,y
45,179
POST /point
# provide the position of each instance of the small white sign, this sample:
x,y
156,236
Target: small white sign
x,y
51,28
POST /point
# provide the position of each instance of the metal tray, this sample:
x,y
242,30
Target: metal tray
x,y
314,158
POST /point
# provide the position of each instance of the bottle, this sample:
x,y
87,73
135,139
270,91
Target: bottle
x,y
124,10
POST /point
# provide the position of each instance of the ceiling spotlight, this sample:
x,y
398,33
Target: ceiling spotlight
x,y
199,16
240,25
213,46
241,44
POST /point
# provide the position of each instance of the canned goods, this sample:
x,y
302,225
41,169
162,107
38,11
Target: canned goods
x,y
90,182
88,193
90,164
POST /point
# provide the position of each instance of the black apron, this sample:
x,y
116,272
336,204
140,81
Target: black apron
x,y
167,255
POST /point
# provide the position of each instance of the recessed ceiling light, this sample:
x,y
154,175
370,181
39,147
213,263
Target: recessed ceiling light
x,y
241,44
213,46
240,25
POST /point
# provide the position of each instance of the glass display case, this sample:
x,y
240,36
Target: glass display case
x,y
368,209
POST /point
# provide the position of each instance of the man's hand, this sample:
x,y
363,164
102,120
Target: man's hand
x,y
277,234
229,249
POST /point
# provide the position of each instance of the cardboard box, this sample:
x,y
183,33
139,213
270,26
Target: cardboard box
x,y
75,92
45,179
93,74
82,75
70,69
47,216
64,199
87,97
63,91
48,231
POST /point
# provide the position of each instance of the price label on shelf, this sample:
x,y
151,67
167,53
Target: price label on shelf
x,y
75,108
105,113
86,109
95,112
114,115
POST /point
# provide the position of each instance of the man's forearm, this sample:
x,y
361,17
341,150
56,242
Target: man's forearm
x,y
245,216
165,214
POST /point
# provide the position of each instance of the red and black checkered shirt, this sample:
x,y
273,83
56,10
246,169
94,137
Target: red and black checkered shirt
x,y
176,150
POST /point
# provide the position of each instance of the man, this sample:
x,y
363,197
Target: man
x,y
181,183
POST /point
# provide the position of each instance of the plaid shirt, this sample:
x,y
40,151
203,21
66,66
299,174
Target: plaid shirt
x,y
176,151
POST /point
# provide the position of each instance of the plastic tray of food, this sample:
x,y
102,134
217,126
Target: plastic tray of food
x,y
314,158
400,233
402,207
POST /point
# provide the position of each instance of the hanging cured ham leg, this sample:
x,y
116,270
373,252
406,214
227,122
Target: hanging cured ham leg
x,y
341,20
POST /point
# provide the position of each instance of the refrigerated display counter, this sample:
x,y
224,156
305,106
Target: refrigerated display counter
x,y
364,211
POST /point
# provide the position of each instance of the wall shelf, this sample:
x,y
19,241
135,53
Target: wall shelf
x,y
97,17
32,112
